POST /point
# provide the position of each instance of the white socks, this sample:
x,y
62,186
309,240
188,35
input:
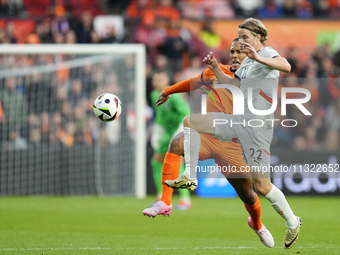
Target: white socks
x,y
192,147
280,204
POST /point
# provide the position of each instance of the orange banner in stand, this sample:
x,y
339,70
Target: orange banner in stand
x,y
283,34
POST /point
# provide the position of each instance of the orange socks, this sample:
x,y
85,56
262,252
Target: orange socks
x,y
170,171
255,213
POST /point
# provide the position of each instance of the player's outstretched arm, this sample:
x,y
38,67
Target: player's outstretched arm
x,y
211,63
180,87
278,63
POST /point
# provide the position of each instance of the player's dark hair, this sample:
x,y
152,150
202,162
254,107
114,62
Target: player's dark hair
x,y
256,27
236,40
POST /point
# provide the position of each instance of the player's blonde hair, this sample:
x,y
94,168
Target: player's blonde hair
x,y
256,27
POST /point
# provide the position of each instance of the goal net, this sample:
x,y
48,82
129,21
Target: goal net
x,y
51,143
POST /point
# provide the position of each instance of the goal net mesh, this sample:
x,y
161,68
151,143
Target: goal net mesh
x,y
51,141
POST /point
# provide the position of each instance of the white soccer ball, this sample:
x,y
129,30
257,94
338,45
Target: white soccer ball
x,y
107,107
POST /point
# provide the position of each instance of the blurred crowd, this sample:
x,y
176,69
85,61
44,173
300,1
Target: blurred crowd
x,y
54,107
59,27
321,76
170,48
231,9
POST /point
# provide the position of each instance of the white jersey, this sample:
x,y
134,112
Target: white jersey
x,y
255,141
262,79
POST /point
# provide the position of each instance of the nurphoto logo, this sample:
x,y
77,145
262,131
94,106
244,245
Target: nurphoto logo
x,y
238,104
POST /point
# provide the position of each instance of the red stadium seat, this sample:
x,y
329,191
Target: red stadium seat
x,y
80,6
21,28
37,8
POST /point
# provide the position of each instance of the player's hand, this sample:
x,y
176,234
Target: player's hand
x,y
210,61
162,99
249,50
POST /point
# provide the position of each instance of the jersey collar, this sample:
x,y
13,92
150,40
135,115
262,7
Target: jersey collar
x,y
231,70
260,50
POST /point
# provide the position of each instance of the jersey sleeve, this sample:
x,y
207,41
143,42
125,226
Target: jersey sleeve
x,y
271,53
189,84
193,84
238,73
182,86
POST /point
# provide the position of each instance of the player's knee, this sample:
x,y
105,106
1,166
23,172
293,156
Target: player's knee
x,y
186,121
247,197
263,188
176,145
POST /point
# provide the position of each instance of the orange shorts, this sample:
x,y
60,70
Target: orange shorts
x,y
225,154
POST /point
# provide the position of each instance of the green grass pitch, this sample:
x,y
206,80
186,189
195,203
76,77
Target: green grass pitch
x,y
91,225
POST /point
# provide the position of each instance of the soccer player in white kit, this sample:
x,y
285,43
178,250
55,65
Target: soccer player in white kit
x,y
260,72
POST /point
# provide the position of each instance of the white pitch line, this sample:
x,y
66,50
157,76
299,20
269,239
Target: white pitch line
x,y
55,249
221,248
161,248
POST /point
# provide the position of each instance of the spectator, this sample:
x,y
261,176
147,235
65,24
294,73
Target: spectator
x,y
3,37
289,8
9,31
43,30
332,140
44,127
77,94
311,139
94,37
68,134
270,10
322,9
207,40
335,11
34,138
16,142
58,38
137,7
111,37
14,105
33,39
304,9
300,143
70,37
84,27
59,23
173,47
165,9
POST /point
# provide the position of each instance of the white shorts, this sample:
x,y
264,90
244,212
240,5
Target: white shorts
x,y
255,141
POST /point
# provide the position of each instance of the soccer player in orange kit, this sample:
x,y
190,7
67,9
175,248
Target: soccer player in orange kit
x,y
225,153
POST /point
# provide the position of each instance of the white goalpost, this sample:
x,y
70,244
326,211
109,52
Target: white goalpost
x,y
51,142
